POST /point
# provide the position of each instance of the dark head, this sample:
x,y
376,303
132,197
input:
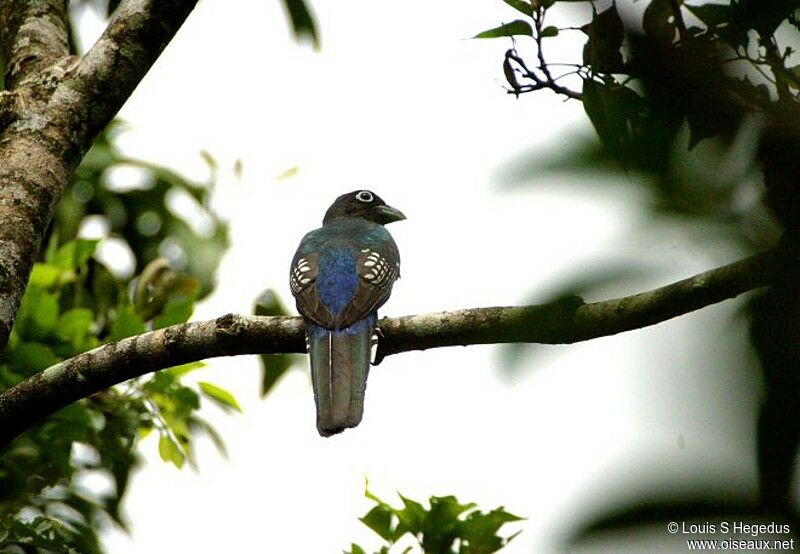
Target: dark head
x,y
362,203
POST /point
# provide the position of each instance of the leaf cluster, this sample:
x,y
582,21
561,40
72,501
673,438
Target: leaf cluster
x,y
161,214
692,72
639,85
73,304
445,527
700,103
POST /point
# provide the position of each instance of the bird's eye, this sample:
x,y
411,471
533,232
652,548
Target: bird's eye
x,y
364,196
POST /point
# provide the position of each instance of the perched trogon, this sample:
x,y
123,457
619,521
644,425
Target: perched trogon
x,y
340,275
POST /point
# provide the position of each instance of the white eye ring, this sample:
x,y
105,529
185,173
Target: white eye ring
x,y
364,196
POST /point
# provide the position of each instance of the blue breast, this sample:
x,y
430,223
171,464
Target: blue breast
x,y
337,280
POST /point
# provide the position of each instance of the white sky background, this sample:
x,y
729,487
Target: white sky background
x,y
398,101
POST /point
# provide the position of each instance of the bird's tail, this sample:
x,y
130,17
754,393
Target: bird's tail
x,y
339,368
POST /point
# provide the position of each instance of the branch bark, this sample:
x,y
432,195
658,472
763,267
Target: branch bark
x,y
563,322
53,109
34,37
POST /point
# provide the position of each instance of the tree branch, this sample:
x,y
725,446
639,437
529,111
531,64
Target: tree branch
x,y
538,83
111,70
54,110
33,35
563,322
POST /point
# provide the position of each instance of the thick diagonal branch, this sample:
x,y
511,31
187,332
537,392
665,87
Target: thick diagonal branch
x,y
55,107
109,72
33,37
562,322
33,34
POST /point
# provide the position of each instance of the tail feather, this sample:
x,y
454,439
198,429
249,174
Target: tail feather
x,y
339,367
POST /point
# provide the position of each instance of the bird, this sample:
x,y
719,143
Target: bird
x,y
340,275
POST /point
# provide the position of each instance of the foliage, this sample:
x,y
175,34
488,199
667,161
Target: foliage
x,y
446,527
691,68
160,214
702,100
303,24
73,304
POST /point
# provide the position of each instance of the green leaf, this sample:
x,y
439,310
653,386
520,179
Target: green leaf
x,y
74,325
126,324
157,285
105,290
176,310
303,24
160,381
38,314
210,160
268,303
480,531
522,6
379,519
764,17
273,367
185,400
606,34
170,451
411,516
31,357
45,312
355,549
659,21
213,434
437,529
442,525
614,110
448,508
74,254
711,15
179,371
44,275
287,173
219,395
550,31
73,423
515,28
729,24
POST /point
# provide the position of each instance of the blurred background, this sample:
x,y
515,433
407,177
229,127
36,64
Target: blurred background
x,y
511,199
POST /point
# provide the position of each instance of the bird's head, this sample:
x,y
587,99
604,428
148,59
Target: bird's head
x,y
363,203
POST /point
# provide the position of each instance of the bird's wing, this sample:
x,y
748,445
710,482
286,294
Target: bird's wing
x,y
302,278
378,267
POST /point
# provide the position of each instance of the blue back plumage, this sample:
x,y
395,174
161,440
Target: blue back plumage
x,y
332,258
338,279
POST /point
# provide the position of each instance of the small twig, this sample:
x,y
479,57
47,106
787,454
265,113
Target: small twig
x,y
539,83
775,61
538,21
